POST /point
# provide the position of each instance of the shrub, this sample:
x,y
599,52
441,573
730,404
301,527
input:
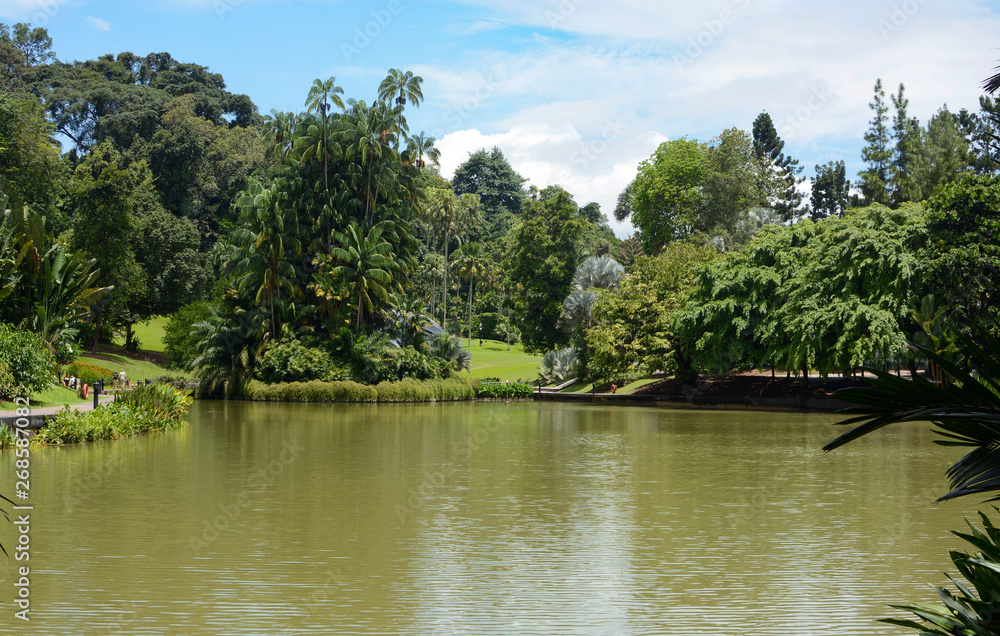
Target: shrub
x,y
89,373
66,352
108,422
408,390
558,366
162,400
27,358
179,338
495,388
314,391
292,361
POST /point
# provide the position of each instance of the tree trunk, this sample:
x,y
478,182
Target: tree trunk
x,y
98,318
444,287
472,282
128,336
805,386
433,298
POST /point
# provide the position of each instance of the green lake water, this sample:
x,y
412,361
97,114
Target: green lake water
x,y
482,519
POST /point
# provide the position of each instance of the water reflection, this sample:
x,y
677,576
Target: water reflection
x,y
485,519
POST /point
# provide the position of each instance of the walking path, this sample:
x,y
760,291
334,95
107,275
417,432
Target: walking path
x,y
8,417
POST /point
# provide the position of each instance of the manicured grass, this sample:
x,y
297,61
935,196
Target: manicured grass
x,y
150,334
56,395
635,386
134,369
492,360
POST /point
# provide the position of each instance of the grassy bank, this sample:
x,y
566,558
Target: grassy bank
x,y
56,395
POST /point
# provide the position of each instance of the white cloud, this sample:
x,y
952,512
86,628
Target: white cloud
x,y
37,12
812,66
97,23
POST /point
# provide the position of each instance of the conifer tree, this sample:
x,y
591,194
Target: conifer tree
x,y
768,146
877,153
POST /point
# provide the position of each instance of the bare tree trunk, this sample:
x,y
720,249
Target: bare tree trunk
x,y
472,282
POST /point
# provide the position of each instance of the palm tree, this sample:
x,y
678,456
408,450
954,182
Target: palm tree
x,y
433,269
226,353
401,86
449,348
368,134
452,217
422,145
321,96
471,265
629,250
365,262
598,272
268,243
279,129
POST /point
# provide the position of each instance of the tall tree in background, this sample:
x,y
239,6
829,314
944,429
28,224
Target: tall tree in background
x,y
452,217
500,190
768,147
877,154
908,154
400,86
667,193
321,97
544,253
830,191
946,152
472,265
983,131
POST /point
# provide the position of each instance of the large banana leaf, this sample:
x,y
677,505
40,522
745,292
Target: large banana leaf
x,y
965,411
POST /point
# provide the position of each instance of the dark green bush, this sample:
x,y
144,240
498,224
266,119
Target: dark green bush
x,y
495,388
66,352
27,358
292,361
179,339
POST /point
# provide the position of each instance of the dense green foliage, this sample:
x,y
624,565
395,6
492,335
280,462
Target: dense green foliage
x,y
26,362
146,409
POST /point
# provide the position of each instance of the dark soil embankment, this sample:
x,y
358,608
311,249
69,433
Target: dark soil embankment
x,y
742,387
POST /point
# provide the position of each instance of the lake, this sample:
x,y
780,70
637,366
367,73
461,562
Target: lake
x,y
484,518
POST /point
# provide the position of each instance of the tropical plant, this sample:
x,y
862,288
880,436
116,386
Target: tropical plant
x,y
598,272
401,86
558,365
420,146
364,262
226,353
452,217
321,96
28,358
449,348
267,247
471,264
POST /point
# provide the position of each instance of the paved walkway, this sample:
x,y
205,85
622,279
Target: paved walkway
x,y
52,410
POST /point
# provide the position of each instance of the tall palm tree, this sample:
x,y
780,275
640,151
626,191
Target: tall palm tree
x,y
268,243
401,86
321,96
433,269
421,145
452,217
471,265
365,262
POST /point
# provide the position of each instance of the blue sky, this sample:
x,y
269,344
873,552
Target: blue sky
x,y
575,92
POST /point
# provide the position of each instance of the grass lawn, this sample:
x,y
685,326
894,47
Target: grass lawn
x,y
54,396
150,335
492,360
134,369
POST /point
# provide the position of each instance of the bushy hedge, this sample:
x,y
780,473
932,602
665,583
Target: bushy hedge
x,y
88,373
408,390
314,391
495,388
